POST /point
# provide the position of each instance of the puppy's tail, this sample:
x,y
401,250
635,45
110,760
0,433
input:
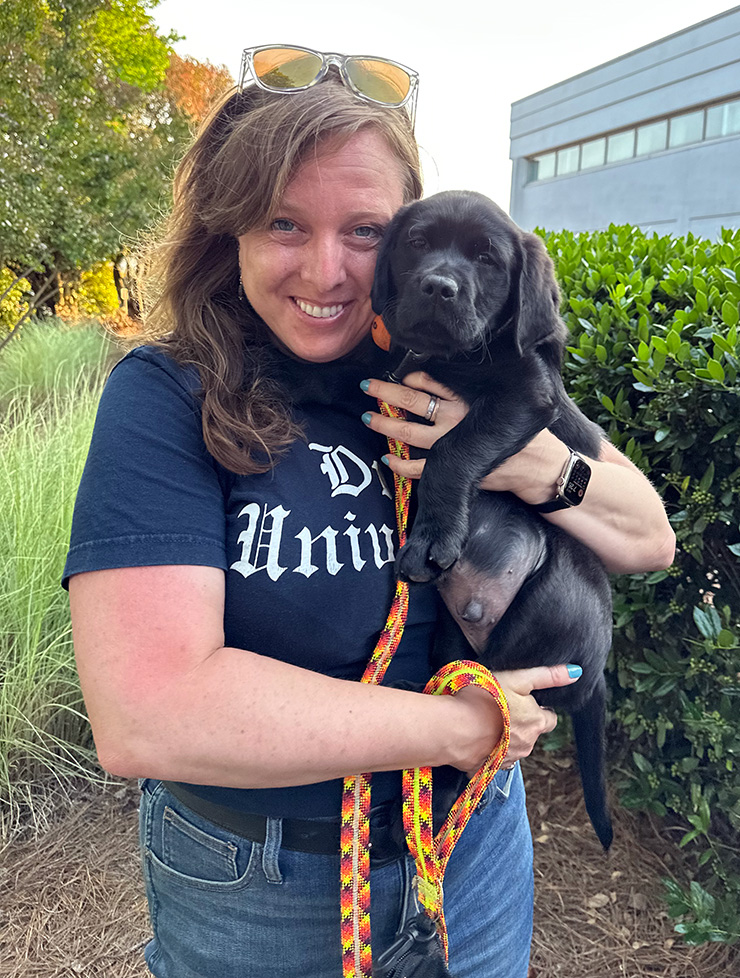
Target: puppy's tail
x,y
588,727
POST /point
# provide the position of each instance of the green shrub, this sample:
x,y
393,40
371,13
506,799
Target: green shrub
x,y
654,360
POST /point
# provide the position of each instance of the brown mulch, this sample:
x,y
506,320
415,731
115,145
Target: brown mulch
x,y
72,903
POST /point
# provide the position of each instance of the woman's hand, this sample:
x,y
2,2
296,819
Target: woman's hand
x,y
538,464
414,396
528,719
621,518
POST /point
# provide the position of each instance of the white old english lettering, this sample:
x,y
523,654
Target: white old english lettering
x,y
263,546
389,552
272,534
307,541
333,466
353,532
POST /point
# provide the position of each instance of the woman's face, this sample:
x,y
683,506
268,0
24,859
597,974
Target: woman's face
x,y
308,275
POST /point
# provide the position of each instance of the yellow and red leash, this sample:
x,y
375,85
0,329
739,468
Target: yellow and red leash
x,y
430,854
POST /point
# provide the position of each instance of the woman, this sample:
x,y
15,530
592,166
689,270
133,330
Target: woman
x,y
231,562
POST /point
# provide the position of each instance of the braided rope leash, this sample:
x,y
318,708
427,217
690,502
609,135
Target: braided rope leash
x,y
354,844
431,855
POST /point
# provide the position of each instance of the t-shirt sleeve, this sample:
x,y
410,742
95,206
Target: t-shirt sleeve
x,y
150,491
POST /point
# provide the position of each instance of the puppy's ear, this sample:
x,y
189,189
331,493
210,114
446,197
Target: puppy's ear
x,y
384,286
539,297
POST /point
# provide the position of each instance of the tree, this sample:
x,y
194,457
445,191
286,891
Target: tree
x,y
196,84
89,131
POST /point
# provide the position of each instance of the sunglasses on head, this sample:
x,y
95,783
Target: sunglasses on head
x,y
287,68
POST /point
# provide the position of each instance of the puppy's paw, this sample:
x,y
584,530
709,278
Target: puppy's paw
x,y
426,556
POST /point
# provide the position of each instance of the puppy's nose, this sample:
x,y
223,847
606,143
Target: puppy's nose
x,y
439,286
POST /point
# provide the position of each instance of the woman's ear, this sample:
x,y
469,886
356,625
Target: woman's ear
x,y
539,297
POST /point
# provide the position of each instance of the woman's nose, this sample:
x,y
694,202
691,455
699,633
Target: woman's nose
x,y
324,265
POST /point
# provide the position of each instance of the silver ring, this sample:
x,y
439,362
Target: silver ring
x,y
432,409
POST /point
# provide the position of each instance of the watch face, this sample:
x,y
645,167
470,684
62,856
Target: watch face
x,y
576,482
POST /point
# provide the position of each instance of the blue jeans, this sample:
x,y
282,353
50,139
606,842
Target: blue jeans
x,y
223,907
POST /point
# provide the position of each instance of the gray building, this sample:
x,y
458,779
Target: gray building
x,y
651,138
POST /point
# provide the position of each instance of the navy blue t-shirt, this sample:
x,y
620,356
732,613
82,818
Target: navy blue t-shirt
x,y
307,547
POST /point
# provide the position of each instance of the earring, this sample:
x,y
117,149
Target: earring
x,y
240,291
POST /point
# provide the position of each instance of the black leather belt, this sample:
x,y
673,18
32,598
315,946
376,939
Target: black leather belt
x,y
304,835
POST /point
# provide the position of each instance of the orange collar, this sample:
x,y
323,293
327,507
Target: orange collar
x,y
380,334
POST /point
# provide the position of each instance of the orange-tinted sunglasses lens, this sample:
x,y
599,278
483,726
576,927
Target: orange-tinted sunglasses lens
x,y
285,68
379,80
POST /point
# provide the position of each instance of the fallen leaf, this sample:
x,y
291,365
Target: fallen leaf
x,y
597,901
542,838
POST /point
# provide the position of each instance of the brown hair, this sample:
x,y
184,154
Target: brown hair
x,y
230,181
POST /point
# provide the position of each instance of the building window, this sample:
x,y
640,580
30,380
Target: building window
x,y
723,120
593,153
687,128
568,160
620,146
653,137
544,166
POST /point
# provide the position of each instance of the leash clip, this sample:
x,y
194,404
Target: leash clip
x,y
411,358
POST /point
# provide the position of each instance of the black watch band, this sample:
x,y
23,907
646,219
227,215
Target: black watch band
x,y
571,486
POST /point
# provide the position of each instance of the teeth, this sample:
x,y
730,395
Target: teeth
x,y
319,312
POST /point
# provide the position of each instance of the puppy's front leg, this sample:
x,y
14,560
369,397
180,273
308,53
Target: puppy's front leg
x,y
493,430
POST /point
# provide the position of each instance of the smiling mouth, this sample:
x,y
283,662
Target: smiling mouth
x,y
319,312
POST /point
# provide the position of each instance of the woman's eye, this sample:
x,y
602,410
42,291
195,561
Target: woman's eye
x,y
282,224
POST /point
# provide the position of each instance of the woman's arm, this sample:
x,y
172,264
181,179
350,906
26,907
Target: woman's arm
x,y
621,518
166,699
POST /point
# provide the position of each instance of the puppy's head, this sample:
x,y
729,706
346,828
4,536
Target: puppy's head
x,y
454,272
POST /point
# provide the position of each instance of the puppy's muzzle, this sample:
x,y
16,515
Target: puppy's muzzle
x,y
437,286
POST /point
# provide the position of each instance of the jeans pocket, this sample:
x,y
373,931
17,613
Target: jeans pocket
x,y
180,845
499,789
502,781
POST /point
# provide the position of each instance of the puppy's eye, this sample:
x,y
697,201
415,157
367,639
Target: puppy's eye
x,y
417,242
485,258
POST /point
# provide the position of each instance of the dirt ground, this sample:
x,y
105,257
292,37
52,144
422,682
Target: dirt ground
x,y
72,903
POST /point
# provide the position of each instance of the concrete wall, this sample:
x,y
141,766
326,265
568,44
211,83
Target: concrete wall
x,y
691,188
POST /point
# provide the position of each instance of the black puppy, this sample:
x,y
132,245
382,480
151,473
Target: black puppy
x,y
475,299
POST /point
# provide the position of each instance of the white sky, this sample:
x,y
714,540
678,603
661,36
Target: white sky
x,y
502,51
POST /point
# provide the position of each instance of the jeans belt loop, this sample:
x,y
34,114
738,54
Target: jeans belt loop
x,y
273,838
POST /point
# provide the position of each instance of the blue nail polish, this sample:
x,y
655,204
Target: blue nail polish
x,y
384,460
365,384
367,417
574,671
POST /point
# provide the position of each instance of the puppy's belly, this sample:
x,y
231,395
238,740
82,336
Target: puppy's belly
x,y
477,601
505,546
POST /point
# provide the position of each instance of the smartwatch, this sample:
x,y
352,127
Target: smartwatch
x,y
571,486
